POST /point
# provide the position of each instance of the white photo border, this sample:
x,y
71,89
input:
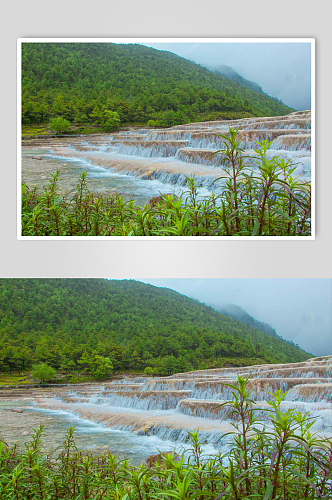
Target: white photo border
x,y
20,41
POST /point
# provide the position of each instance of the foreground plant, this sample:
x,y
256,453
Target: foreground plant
x,y
261,196
266,201
282,460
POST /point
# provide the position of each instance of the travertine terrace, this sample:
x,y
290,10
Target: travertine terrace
x,y
169,406
169,155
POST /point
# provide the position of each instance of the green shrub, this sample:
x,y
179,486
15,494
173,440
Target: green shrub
x,y
102,368
59,125
149,371
43,373
110,121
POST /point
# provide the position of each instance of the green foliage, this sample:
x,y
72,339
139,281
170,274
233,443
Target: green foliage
x,y
108,120
270,202
82,81
149,371
87,325
14,379
59,125
43,372
285,462
102,367
111,120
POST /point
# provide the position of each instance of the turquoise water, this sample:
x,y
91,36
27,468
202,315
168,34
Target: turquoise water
x,y
37,173
17,427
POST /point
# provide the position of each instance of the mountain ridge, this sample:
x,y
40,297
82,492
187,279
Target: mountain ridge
x,y
230,73
236,312
84,82
63,320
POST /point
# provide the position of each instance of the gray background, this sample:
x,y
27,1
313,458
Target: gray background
x,y
133,259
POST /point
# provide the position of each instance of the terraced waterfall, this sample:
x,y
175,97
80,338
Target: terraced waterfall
x,y
169,155
165,408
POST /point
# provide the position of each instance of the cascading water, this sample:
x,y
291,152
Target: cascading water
x,y
144,163
149,149
165,408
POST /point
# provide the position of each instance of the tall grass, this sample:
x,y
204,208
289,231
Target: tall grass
x,y
285,461
265,201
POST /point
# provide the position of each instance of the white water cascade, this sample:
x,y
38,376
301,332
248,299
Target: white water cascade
x,y
167,407
170,155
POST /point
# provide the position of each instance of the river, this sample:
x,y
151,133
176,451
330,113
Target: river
x,y
136,417
142,163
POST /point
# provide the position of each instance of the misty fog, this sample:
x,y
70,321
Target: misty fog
x,y
283,70
298,309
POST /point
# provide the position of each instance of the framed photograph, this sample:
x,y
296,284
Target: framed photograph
x,y
166,138
116,373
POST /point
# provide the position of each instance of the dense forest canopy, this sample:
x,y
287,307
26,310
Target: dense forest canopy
x,y
86,82
65,322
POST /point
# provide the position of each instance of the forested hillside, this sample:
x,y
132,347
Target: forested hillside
x,y
88,82
66,322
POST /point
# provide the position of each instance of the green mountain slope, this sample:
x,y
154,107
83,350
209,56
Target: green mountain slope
x,y
66,321
84,82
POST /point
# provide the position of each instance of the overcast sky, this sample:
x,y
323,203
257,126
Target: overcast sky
x,y
283,70
298,309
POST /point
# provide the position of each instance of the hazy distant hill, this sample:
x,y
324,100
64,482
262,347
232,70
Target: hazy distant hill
x,y
84,82
231,74
236,312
